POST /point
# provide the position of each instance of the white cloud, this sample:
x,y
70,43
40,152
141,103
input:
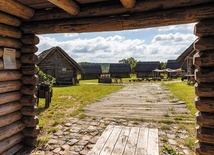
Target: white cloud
x,y
114,48
70,35
189,27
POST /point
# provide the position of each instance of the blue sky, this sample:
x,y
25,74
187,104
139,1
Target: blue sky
x,y
151,44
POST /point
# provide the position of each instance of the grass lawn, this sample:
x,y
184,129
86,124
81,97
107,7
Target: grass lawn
x,y
68,101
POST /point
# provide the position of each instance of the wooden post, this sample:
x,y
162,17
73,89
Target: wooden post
x,y
204,88
29,88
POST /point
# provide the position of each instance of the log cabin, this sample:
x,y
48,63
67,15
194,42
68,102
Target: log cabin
x,y
57,63
174,64
22,20
91,71
145,69
119,70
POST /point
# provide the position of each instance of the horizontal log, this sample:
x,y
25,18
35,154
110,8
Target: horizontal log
x,y
28,89
132,21
112,8
29,110
204,104
9,86
205,135
29,58
10,107
204,28
30,39
204,119
204,74
18,53
10,97
30,79
204,44
69,6
18,64
16,8
29,69
9,31
30,141
9,20
30,121
10,118
14,149
128,3
204,89
204,59
28,100
29,49
10,42
10,142
31,131
10,130
204,148
10,75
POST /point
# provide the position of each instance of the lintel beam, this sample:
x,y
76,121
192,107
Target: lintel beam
x,y
128,3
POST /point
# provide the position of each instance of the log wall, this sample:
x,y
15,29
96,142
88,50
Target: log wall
x,y
204,87
18,85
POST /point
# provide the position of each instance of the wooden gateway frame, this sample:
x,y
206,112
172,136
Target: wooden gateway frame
x,y
21,20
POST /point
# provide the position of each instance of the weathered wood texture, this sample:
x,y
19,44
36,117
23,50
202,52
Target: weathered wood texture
x,y
204,28
10,107
28,100
31,132
29,58
30,121
9,86
29,69
69,6
18,53
128,3
10,118
10,142
29,110
204,89
113,8
30,141
28,79
10,42
17,9
30,39
10,75
9,31
29,49
13,150
10,97
140,20
9,20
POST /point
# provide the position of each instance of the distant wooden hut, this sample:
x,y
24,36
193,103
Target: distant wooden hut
x,y
57,63
91,71
174,64
145,69
186,59
120,70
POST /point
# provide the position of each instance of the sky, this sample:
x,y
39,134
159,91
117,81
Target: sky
x,y
151,44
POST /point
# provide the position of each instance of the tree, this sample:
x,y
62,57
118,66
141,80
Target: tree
x,y
163,65
131,61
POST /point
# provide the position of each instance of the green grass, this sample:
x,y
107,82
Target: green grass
x,y
69,101
184,92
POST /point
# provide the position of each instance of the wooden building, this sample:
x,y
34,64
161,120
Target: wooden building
x,y
57,63
91,71
22,20
120,70
186,59
174,64
145,69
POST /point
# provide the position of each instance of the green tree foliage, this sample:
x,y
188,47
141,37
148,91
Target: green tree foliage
x,y
163,65
131,61
45,78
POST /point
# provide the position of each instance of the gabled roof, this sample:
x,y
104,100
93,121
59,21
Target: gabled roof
x,y
42,56
173,64
147,66
120,68
189,52
92,68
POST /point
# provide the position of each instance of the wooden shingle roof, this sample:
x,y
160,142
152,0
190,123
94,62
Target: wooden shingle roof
x,y
147,66
92,68
188,52
120,68
44,55
173,64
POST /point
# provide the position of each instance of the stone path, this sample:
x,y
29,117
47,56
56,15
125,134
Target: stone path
x,y
79,134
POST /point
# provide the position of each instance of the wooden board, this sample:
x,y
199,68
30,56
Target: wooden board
x,y
121,140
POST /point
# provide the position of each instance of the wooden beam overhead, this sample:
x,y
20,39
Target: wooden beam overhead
x,y
17,9
135,21
128,3
68,5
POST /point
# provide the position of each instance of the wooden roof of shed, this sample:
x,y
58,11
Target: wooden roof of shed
x,y
92,68
147,66
62,16
120,68
189,52
44,55
173,64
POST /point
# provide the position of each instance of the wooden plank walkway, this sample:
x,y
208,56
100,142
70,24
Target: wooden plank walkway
x,y
121,140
